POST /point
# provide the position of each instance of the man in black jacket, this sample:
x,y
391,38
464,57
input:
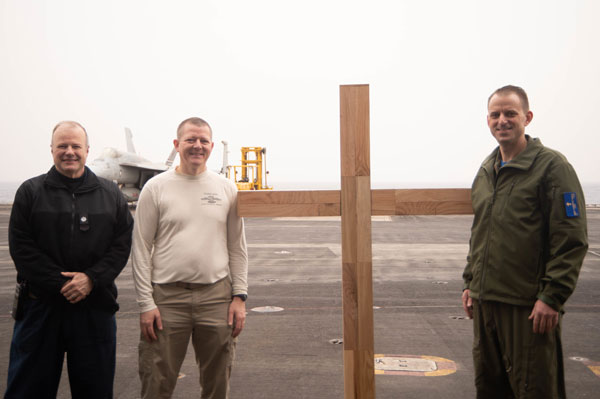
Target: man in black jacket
x,y
69,237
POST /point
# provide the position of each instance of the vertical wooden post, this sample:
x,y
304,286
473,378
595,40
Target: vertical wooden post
x,y
357,279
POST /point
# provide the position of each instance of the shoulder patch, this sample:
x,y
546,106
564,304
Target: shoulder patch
x,y
571,206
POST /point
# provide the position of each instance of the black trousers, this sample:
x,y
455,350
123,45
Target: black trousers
x,y
42,337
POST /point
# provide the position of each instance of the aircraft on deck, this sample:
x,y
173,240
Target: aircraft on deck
x,y
128,169
131,171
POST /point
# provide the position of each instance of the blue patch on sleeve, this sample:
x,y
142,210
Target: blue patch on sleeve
x,y
571,206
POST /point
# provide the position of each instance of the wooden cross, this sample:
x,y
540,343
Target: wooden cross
x,y
356,202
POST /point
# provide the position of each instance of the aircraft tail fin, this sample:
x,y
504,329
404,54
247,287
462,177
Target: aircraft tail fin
x,y
129,139
171,158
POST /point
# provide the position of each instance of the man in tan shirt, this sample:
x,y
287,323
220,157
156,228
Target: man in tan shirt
x,y
190,269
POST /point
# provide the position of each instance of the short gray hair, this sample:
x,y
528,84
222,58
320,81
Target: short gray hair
x,y
71,124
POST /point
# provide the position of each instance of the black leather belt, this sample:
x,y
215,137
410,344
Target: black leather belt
x,y
187,286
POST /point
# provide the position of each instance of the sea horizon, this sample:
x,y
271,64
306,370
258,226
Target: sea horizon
x,y
590,190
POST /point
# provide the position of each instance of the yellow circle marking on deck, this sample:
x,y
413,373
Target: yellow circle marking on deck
x,y
595,369
442,366
590,364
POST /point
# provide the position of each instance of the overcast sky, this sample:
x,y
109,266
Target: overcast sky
x,y
267,73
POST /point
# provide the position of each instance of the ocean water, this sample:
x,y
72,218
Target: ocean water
x,y
592,194
7,191
591,190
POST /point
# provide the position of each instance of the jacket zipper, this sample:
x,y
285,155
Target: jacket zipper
x,y
508,196
72,230
487,244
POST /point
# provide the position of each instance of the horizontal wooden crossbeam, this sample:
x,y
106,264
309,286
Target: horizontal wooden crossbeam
x,y
443,201
288,203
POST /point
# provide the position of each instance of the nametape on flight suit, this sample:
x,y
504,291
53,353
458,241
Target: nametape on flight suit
x,y
571,206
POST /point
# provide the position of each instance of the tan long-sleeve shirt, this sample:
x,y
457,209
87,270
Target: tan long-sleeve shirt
x,y
187,229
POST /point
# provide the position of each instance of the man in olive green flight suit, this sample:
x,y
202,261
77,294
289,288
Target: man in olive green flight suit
x,y
528,241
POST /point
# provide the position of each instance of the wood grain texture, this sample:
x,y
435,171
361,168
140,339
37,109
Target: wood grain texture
x,y
287,210
290,197
354,128
357,281
288,203
433,202
452,201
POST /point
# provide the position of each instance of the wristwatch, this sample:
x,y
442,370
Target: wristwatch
x,y
243,297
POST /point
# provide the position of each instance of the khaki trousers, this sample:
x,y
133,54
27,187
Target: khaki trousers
x,y
510,360
200,314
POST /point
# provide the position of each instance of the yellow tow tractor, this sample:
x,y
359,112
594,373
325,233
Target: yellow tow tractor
x,y
252,173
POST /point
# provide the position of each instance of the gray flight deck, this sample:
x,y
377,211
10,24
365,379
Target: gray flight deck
x,y
293,353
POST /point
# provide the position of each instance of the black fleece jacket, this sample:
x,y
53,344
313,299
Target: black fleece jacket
x,y
53,229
